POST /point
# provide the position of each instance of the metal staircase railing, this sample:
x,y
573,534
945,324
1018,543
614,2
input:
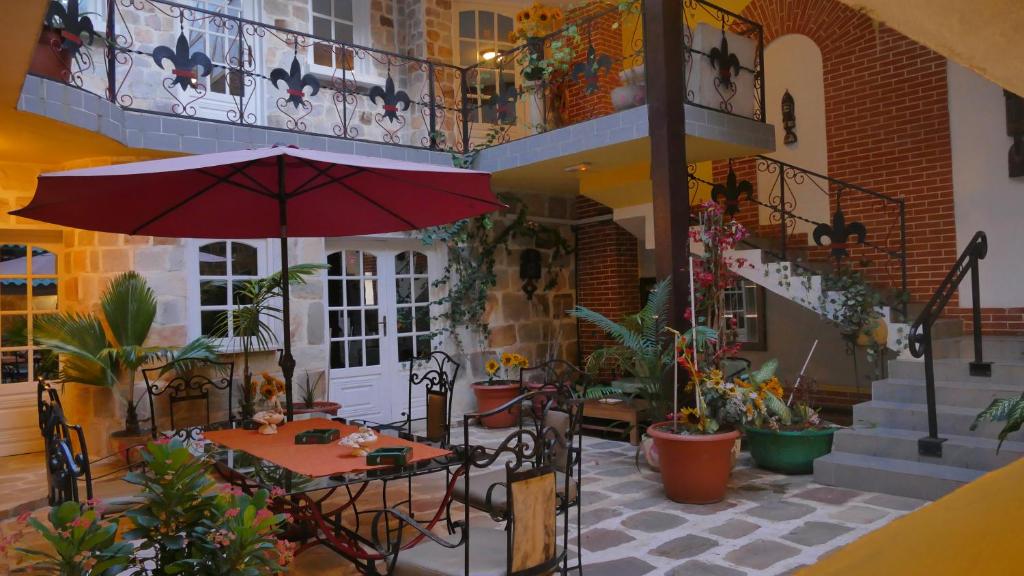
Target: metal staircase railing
x,y
920,338
780,199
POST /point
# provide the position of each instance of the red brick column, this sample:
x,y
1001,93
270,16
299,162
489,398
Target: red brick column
x,y
607,270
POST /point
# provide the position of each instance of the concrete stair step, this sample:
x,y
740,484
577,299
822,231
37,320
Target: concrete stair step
x,y
912,416
964,394
891,475
957,370
994,348
957,451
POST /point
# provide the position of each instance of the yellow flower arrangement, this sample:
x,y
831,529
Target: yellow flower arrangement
x,y
773,387
492,367
535,21
505,363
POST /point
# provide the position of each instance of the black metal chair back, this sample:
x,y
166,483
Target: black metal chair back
x,y
189,387
65,464
552,375
438,382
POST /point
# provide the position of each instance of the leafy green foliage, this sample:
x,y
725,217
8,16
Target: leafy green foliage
x,y
1009,410
252,323
109,349
641,349
473,246
81,544
308,389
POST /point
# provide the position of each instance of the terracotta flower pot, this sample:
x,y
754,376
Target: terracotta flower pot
x,y
318,407
694,467
492,395
49,60
875,332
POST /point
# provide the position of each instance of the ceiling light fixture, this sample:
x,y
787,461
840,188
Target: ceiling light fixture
x,y
488,55
581,167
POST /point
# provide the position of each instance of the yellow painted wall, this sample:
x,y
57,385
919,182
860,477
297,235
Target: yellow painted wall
x,y
974,530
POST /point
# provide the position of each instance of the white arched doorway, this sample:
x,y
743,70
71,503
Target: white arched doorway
x,y
795,65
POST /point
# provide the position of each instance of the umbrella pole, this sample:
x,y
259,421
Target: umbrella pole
x,y
287,362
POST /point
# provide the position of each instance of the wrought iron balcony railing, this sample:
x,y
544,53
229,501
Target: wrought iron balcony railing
x,y
192,61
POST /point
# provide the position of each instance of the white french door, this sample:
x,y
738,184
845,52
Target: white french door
x,y
378,320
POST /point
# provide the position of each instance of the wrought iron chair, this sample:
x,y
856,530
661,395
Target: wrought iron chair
x,y
561,421
192,386
550,376
437,382
527,545
66,456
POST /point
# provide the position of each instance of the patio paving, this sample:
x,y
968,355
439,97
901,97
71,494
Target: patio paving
x,y
769,524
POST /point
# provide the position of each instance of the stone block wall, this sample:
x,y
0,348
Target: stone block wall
x,y
539,328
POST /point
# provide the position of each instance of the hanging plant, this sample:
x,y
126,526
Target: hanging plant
x,y
469,275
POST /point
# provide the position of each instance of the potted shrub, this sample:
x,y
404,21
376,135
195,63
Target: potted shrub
x,y
182,526
309,394
641,352
790,441
109,348
497,391
250,323
533,25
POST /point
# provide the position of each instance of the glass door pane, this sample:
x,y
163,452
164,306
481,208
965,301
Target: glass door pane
x,y
354,314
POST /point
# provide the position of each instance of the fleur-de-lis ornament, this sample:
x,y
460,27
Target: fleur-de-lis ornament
x,y
731,192
589,69
839,234
727,63
390,98
72,25
295,82
184,63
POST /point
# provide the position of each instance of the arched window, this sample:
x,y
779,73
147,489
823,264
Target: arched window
x,y
218,269
28,290
482,34
412,300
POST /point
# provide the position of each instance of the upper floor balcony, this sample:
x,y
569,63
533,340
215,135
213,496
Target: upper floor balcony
x,y
324,69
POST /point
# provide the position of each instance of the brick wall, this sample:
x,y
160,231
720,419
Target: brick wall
x,y
887,127
606,262
579,104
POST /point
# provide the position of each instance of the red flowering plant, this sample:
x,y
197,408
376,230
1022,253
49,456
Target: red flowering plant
x,y
753,396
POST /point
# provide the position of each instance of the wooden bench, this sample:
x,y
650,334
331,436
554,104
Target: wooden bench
x,y
628,411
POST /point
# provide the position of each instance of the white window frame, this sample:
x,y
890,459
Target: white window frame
x,y
216,104
30,275
265,256
413,304
364,71
505,9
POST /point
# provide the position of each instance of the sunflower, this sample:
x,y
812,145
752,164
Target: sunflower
x,y
507,359
773,387
492,367
715,377
691,418
523,362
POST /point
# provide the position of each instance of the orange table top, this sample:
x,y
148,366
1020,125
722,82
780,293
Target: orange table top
x,y
314,459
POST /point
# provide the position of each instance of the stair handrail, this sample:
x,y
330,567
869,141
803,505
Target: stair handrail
x,y
920,335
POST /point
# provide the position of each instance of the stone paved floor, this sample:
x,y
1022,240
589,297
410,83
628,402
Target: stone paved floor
x,y
769,524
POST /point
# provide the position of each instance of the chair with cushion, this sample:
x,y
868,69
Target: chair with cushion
x,y
193,386
437,382
528,543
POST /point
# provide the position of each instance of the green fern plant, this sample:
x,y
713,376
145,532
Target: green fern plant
x,y
641,349
1009,410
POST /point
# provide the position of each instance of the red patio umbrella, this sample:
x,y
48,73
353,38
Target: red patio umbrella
x,y
264,193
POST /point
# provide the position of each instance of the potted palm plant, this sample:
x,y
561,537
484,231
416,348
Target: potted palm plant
x,y
251,323
310,396
108,349
641,350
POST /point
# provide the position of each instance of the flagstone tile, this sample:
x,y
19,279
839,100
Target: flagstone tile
x,y
780,511
828,495
619,567
734,528
859,514
598,539
686,546
699,568
895,502
816,533
653,521
761,554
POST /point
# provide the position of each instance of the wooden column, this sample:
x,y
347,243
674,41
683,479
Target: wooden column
x,y
666,118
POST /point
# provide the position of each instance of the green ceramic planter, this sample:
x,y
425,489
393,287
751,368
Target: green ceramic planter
x,y
789,452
